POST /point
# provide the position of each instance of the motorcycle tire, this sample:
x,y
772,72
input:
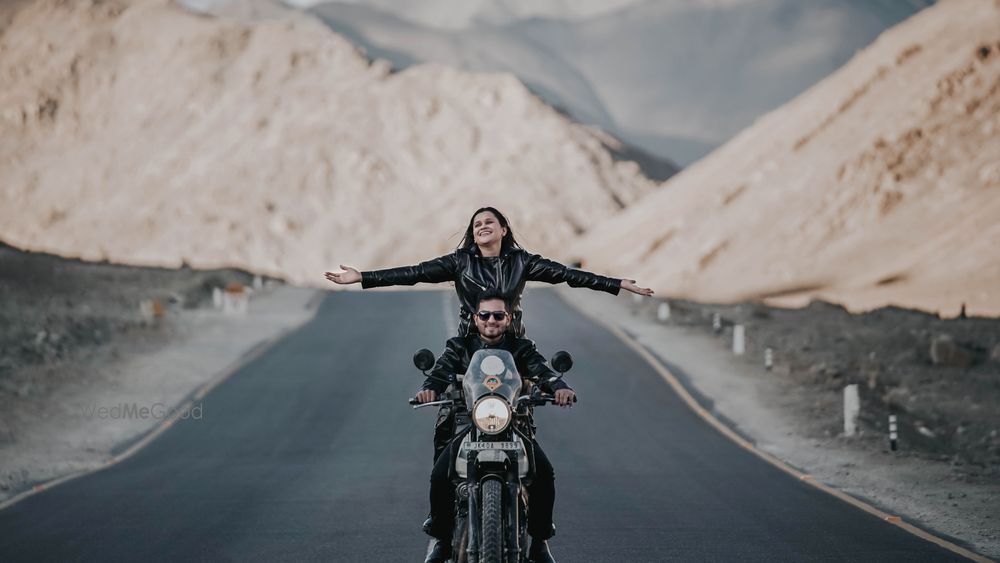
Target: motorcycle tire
x,y
492,527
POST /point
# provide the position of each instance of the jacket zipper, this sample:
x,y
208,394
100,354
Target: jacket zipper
x,y
499,276
500,273
474,282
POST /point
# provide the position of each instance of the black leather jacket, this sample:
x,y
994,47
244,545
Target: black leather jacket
x,y
458,353
474,274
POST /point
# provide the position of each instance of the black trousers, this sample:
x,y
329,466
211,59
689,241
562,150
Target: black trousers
x,y
541,495
444,429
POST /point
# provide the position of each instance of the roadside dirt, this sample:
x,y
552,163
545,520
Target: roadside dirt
x,y
53,309
74,341
941,377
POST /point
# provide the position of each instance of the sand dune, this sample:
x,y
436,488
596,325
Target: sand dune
x,y
136,132
880,185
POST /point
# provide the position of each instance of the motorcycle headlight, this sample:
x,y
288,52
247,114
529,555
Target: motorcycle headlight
x,y
491,415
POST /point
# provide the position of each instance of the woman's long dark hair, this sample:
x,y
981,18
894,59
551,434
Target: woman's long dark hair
x,y
506,243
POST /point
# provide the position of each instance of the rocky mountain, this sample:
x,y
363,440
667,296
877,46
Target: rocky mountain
x,y
135,131
878,186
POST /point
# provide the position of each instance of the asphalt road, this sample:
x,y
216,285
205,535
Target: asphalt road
x,y
310,453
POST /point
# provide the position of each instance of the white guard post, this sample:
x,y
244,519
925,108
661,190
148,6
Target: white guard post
x,y
663,312
739,340
893,445
852,408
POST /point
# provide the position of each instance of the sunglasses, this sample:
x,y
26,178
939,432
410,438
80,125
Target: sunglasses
x,y
497,315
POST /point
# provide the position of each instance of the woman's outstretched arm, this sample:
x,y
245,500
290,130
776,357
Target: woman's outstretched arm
x,y
438,270
550,271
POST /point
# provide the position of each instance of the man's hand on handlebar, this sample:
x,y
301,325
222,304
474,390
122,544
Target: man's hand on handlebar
x,y
426,396
564,397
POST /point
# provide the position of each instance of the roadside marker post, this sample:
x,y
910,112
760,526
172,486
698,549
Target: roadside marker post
x,y
146,311
768,359
892,432
235,299
739,340
663,312
852,408
151,310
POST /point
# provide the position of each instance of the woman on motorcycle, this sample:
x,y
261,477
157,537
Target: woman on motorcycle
x,y
489,258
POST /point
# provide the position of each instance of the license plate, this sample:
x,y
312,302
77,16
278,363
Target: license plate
x,y
479,446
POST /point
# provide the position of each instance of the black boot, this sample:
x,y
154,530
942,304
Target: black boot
x,y
539,552
439,552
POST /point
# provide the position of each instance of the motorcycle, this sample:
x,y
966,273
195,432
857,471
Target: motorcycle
x,y
493,467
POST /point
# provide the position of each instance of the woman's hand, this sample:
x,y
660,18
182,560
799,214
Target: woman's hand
x,y
630,285
348,276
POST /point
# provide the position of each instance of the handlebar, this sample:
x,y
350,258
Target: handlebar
x,y
418,405
542,400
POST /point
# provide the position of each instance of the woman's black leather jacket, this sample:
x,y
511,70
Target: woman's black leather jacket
x,y
474,274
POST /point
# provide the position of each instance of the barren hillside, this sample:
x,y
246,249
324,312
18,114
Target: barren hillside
x,y
880,185
136,132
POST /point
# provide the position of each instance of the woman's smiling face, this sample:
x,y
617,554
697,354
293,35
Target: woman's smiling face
x,y
487,229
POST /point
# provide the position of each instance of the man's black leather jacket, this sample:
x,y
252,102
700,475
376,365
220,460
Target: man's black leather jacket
x,y
474,274
459,350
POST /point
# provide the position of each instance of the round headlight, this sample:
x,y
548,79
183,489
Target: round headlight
x,y
491,415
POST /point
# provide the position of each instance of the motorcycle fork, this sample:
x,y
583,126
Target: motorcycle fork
x,y
474,518
513,526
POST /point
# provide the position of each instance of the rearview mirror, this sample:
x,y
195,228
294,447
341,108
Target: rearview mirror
x,y
561,361
423,359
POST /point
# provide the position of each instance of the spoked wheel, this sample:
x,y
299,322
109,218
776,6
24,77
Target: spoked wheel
x,y
492,529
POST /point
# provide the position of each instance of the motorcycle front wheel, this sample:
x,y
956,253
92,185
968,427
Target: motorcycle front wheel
x,y
492,527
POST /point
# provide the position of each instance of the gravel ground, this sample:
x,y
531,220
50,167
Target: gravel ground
x,y
73,339
948,482
946,411
53,309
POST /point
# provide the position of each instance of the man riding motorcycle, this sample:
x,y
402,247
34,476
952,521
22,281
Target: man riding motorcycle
x,y
493,319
